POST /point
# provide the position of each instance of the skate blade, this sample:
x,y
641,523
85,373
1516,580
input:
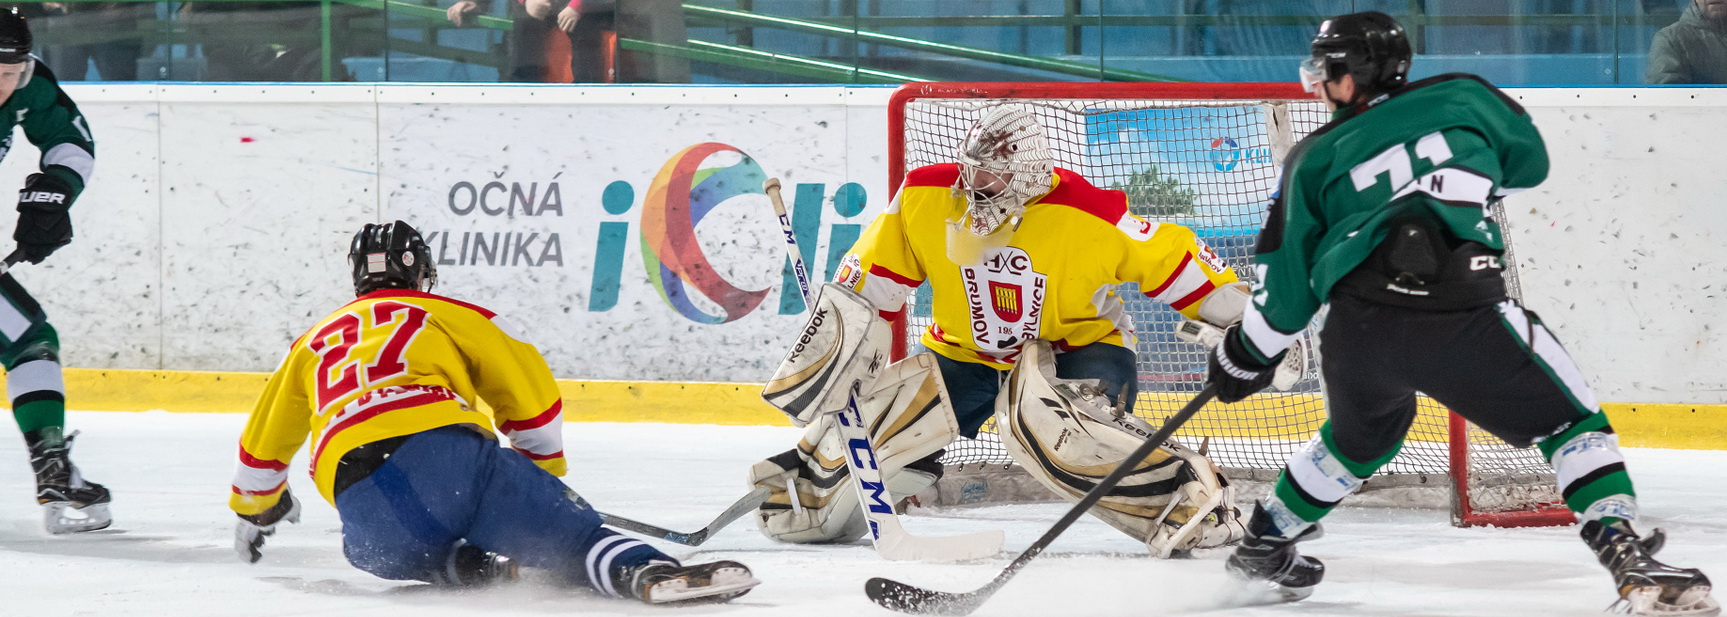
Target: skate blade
x,y
1255,592
723,585
1647,602
62,517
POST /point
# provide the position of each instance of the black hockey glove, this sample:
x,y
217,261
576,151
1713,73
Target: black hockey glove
x,y
44,224
1235,371
249,533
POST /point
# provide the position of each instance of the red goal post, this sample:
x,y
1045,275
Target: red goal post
x,y
1207,155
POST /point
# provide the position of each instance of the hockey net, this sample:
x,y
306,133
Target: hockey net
x,y
1207,156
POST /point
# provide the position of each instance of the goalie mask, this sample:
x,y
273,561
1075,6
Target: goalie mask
x,y
1004,163
391,256
16,63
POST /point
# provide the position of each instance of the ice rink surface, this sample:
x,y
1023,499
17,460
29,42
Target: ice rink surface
x,y
170,551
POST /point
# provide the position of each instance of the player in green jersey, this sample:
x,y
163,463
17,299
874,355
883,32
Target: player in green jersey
x,y
29,347
1383,214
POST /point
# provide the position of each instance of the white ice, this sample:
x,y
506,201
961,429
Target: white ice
x,y
170,550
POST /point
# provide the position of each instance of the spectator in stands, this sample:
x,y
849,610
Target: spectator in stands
x,y
591,28
1692,50
532,50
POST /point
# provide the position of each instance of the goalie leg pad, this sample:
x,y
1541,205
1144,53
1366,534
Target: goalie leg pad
x,y
844,345
1067,434
909,419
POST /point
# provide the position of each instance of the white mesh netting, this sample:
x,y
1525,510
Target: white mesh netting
x,y
1211,165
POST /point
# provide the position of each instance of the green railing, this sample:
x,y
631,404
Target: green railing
x,y
851,54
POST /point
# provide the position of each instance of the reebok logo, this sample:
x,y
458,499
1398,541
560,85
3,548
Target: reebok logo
x,y
42,197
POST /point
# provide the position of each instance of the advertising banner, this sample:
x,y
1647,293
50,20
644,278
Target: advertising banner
x,y
629,241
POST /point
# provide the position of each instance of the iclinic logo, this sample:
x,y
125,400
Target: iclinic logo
x,y
1225,154
686,190
680,196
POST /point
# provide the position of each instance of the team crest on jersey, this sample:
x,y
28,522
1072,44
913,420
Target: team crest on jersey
x,y
1210,257
850,272
1006,298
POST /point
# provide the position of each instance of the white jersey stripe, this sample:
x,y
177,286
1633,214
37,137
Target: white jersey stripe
x,y
1268,340
601,580
1190,279
1450,184
1583,455
257,480
13,323
34,376
1319,473
72,157
1551,353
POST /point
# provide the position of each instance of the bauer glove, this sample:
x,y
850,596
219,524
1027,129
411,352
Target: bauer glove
x,y
250,531
1235,370
44,224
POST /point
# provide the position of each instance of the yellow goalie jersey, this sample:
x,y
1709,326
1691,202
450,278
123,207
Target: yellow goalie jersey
x,y
1054,279
395,362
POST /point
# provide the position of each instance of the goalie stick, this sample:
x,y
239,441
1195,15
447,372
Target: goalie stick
x,y
749,502
917,600
890,538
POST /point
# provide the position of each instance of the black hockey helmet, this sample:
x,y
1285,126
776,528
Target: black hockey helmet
x,y
14,37
1370,46
391,256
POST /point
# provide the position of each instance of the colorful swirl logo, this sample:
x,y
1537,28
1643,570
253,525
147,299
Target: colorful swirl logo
x,y
1225,154
681,195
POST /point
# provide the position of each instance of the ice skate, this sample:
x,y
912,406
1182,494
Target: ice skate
x,y
661,582
472,566
1647,586
1267,568
69,502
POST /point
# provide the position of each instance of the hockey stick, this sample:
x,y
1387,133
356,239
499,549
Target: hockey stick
x,y
11,260
749,502
772,188
890,538
917,600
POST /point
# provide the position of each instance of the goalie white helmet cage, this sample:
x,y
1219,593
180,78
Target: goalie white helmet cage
x,y
1006,144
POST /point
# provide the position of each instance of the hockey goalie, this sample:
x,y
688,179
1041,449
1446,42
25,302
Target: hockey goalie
x,y
1023,261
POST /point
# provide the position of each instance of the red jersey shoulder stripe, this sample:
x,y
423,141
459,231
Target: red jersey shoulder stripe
x,y
940,174
1074,191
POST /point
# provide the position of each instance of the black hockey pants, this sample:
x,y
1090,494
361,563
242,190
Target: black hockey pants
x,y
1496,366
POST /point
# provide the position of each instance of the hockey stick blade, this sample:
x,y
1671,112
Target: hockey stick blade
x,y
897,596
743,506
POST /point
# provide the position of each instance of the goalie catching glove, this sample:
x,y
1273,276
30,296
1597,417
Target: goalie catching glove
x,y
811,498
1068,435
